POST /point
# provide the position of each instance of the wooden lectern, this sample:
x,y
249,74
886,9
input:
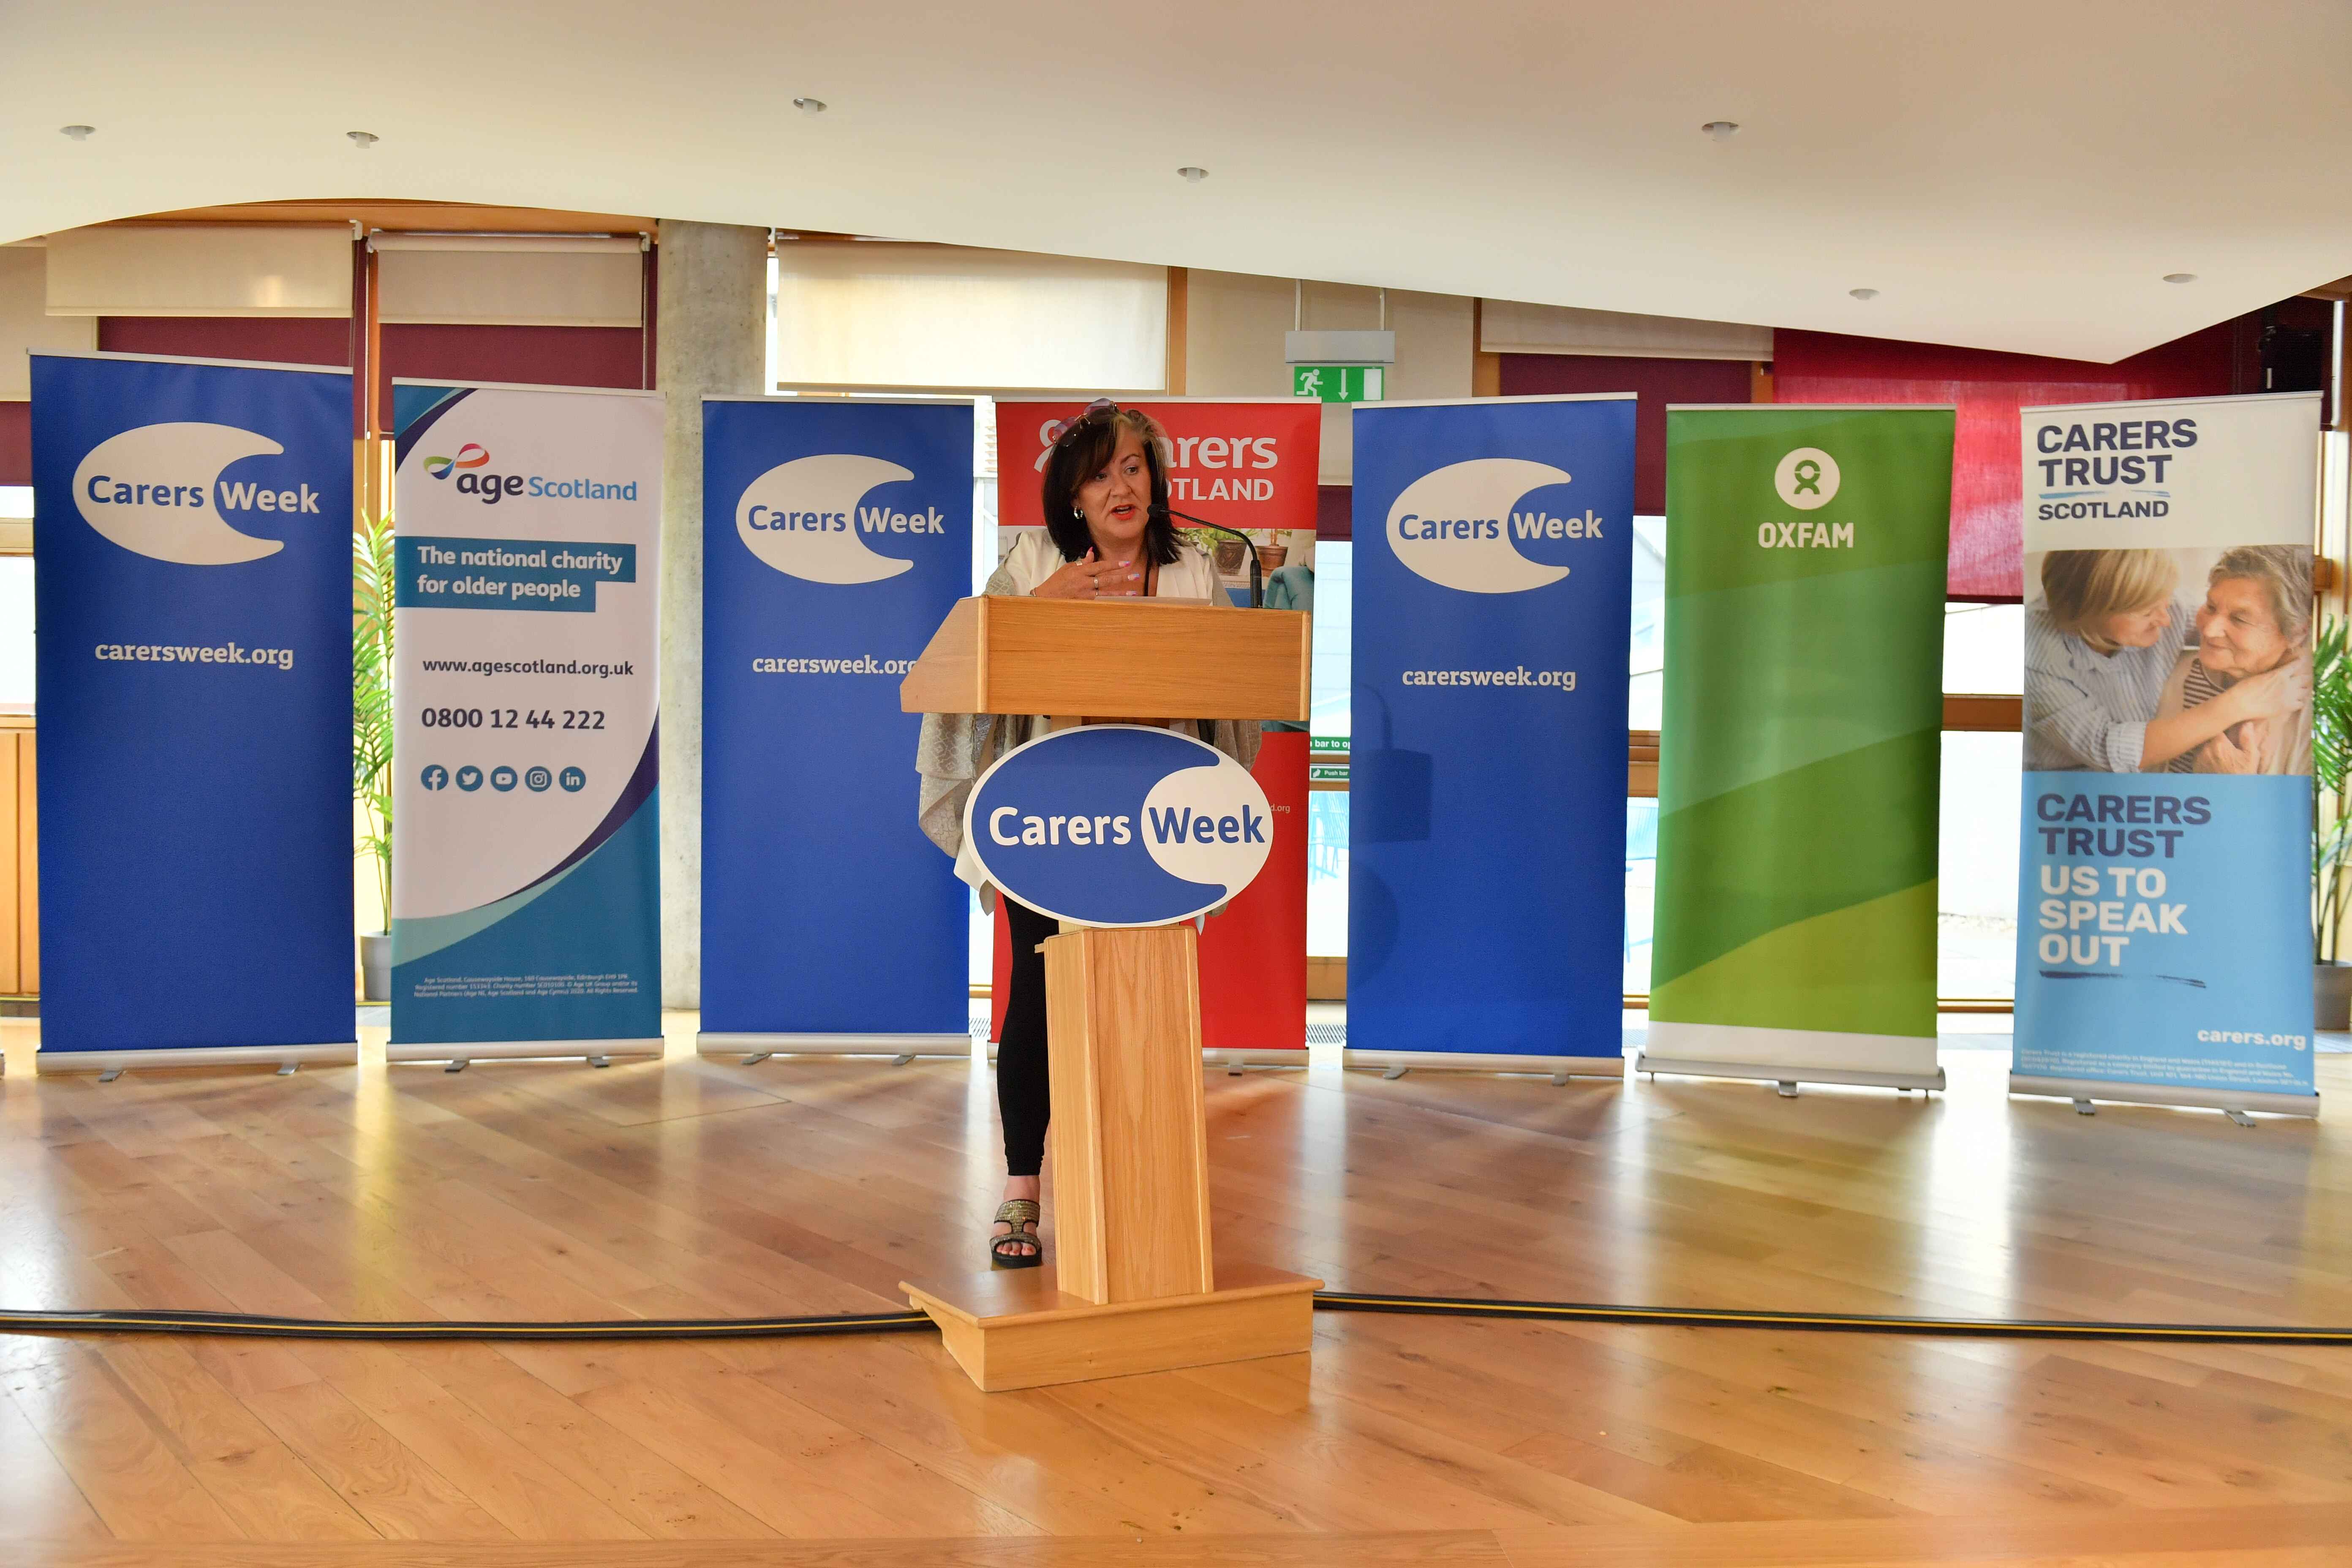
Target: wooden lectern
x,y
1132,1285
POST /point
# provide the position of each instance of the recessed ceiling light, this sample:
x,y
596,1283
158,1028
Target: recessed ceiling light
x,y
1863,293
363,139
1192,174
2180,278
77,132
1721,130
809,105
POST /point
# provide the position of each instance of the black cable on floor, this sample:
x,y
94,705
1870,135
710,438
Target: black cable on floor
x,y
255,1326
1828,1323
251,1325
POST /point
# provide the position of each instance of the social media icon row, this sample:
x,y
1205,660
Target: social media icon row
x,y
501,778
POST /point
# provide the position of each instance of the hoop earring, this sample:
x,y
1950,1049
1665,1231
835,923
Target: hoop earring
x,y
1079,512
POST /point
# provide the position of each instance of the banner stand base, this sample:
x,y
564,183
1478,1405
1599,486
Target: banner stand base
x,y
715,1045
1790,1077
1398,1063
2179,1096
49,1063
1237,1060
596,1052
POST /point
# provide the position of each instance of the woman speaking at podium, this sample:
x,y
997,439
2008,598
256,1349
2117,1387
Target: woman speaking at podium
x,y
1107,535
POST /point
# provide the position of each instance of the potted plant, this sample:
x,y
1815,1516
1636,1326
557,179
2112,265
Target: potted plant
x,y
372,594
2331,821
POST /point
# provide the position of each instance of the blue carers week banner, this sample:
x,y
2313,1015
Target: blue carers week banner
x,y
2164,932
525,877
1487,831
837,536
193,591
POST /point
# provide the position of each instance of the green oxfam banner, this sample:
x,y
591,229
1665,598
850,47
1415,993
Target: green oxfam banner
x,y
1795,930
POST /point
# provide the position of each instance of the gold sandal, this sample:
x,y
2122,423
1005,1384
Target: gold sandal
x,y
1004,1252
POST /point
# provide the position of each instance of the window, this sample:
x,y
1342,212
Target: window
x,y
1640,892
1331,664
1327,866
1976,900
1976,897
1984,649
1646,694
15,629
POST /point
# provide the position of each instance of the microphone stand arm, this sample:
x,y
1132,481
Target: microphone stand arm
x,y
1257,573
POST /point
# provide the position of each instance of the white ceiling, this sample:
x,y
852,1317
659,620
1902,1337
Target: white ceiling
x,y
2008,174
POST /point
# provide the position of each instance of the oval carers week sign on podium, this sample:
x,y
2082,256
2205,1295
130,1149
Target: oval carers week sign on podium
x,y
1118,825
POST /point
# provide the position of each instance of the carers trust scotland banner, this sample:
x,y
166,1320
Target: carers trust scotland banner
x,y
2163,905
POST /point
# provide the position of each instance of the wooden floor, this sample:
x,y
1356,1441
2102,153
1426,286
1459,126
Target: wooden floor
x,y
683,1188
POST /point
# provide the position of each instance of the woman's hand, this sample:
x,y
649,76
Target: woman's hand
x,y
1089,578
2238,751
2272,694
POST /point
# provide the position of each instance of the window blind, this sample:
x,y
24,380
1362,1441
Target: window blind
x,y
1506,327
216,270
886,314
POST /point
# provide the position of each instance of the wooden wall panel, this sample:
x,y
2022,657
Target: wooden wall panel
x,y
28,871
20,931
8,875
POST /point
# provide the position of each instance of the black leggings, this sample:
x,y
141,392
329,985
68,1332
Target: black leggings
x,y
1024,1098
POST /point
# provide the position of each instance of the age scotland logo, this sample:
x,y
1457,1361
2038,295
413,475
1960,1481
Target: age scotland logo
x,y
472,454
491,489
1458,526
1118,825
156,490
805,519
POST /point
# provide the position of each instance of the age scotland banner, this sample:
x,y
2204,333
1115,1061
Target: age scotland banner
x,y
2164,929
836,537
1487,831
193,597
526,902
1800,756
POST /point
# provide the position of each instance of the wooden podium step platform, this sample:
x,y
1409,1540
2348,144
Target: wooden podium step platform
x,y
1017,1329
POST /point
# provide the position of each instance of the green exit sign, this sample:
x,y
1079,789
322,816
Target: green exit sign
x,y
1339,383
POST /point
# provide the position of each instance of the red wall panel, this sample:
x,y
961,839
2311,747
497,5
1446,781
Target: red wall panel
x,y
15,443
1657,382
540,356
1989,388
1334,511
285,340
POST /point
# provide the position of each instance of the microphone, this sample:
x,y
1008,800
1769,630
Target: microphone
x,y
1257,577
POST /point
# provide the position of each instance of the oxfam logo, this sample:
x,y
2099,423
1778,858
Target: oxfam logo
x,y
472,454
1807,477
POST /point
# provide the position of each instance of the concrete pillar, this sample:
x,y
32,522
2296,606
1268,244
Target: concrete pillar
x,y
711,337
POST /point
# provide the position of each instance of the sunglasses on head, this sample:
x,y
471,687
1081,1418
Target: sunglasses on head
x,y
1100,408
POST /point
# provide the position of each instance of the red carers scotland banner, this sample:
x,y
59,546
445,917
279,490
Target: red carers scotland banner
x,y
1247,465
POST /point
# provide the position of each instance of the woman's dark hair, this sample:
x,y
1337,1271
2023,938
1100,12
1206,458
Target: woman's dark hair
x,y
1084,447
